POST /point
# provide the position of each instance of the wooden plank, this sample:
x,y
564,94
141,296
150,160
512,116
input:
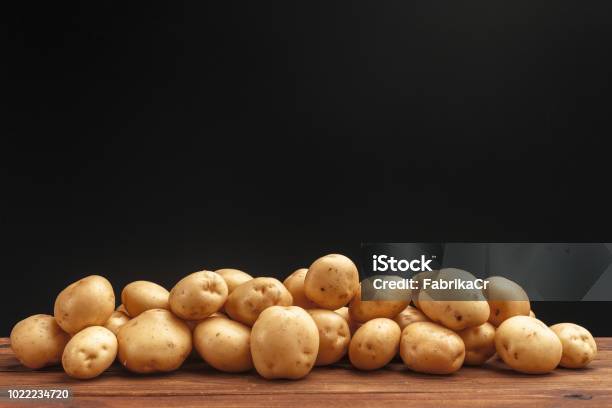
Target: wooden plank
x,y
336,386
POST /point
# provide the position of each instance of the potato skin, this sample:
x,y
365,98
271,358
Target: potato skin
x,y
374,344
344,312
140,296
579,347
408,316
479,343
506,299
295,285
224,344
527,345
233,278
361,311
331,281
198,295
154,341
38,341
427,347
248,300
284,343
116,320
87,302
89,353
334,336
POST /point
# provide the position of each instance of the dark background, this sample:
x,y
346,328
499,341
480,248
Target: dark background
x,y
150,141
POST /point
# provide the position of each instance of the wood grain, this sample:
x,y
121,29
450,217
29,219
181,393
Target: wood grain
x,y
338,386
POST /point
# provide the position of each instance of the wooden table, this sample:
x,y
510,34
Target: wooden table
x,y
337,386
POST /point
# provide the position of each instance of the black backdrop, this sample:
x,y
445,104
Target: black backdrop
x,y
149,141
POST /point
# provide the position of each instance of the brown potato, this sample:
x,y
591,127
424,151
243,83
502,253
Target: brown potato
x,y
233,278
362,311
224,344
248,300
116,320
198,295
295,285
408,316
506,299
374,344
331,281
140,296
284,343
479,343
89,353
427,347
38,341
579,347
334,336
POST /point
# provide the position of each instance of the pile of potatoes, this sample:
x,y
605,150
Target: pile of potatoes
x,y
282,329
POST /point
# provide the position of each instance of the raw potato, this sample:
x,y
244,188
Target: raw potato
x,y
198,295
86,302
470,309
579,347
224,344
233,278
248,300
506,299
374,344
418,278
334,336
154,341
284,343
344,312
90,352
331,281
38,341
427,347
527,345
479,343
141,296
295,285
116,320
361,311
408,316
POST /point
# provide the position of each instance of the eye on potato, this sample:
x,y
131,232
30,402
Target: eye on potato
x,y
233,278
579,347
295,285
334,336
408,316
506,299
154,341
224,344
427,347
116,320
284,343
198,295
86,302
38,341
140,296
479,343
363,310
89,353
527,345
374,344
248,300
331,281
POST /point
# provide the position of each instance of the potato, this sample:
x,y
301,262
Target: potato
x,y
579,347
295,285
427,347
334,336
479,343
344,312
361,311
527,345
248,300
198,295
470,309
418,278
224,344
86,302
116,320
140,296
331,281
154,341
284,343
38,341
90,352
506,299
374,344
233,278
408,316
